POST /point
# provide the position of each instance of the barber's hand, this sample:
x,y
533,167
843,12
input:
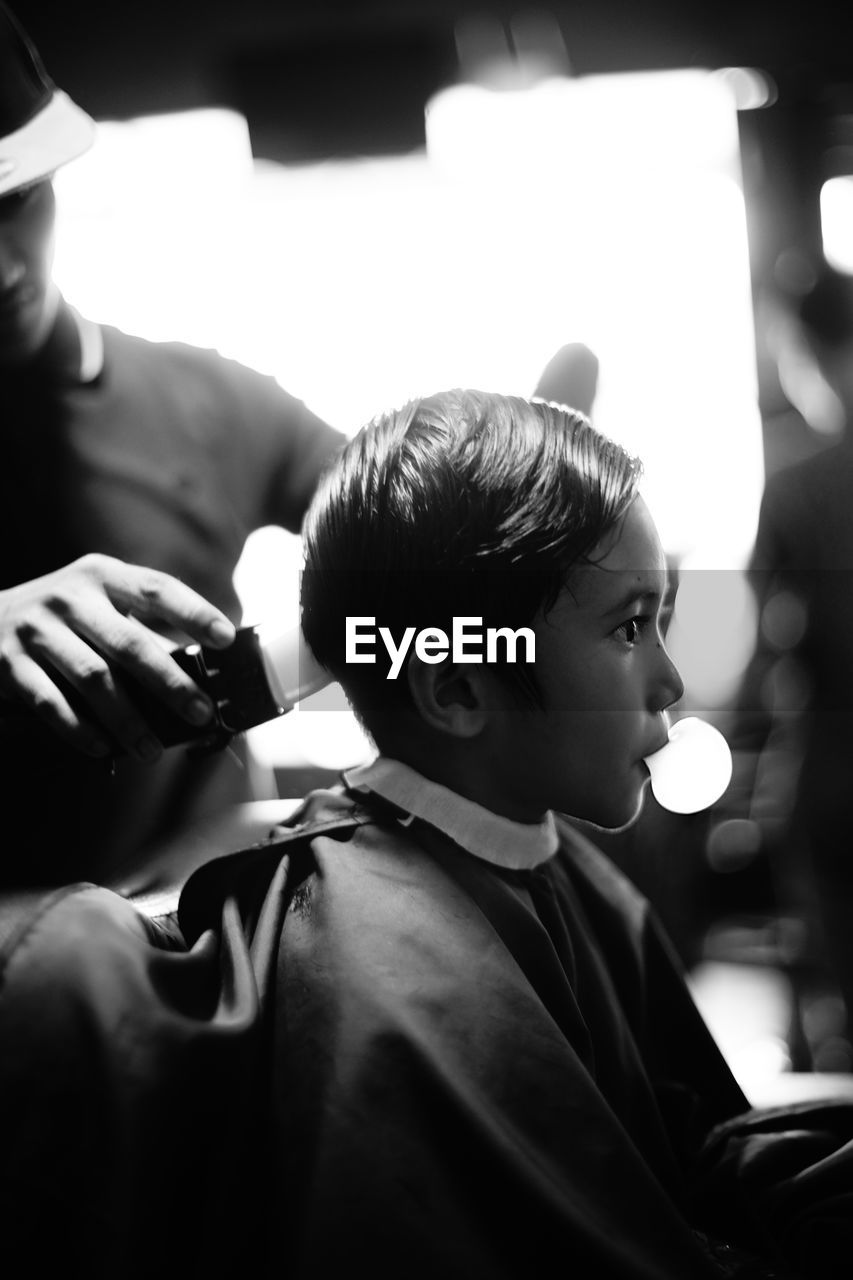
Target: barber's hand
x,y
84,622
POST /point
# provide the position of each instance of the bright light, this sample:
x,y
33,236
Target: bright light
x,y
149,224
748,1009
325,739
836,221
693,770
267,578
750,88
713,631
575,129
606,210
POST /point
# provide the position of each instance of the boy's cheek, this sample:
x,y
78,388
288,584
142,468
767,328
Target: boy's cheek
x,y
621,810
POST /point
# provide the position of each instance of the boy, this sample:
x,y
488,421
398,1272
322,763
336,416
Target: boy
x,y
506,1042
427,1030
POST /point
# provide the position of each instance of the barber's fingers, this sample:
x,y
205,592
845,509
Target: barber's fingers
x,y
103,641
72,624
31,685
104,705
155,596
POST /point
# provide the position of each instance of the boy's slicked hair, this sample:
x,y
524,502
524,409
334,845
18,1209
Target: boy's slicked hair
x,y
458,504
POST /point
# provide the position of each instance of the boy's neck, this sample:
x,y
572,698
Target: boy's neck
x,y
463,766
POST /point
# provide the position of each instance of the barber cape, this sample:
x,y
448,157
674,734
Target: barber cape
x,y
359,1045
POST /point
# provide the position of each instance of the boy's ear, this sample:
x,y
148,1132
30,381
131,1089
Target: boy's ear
x,y
450,696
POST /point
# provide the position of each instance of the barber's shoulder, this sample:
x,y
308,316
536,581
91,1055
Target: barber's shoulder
x,y
121,345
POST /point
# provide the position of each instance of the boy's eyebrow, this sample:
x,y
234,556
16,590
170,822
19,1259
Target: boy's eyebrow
x,y
639,594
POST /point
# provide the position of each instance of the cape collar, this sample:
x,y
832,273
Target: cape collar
x,y
516,846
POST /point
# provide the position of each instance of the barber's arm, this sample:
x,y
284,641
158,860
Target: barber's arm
x,y
65,637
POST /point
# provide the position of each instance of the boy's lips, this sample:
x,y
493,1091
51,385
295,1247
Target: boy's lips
x,y
663,739
659,745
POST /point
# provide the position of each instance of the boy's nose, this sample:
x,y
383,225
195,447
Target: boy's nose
x,y
670,684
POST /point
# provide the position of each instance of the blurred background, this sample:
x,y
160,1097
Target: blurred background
x,y
621,206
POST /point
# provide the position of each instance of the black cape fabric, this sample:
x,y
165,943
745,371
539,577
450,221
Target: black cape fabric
x,y
358,1047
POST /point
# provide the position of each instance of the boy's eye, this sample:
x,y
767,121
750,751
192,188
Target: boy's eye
x,y
632,629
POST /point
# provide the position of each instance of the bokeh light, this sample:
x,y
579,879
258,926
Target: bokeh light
x,y
693,770
836,220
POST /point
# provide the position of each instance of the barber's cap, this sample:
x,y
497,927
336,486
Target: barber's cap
x,y
40,127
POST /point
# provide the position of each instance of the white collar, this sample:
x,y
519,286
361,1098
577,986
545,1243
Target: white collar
x,y
516,846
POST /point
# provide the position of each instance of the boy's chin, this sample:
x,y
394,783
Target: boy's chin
x,y
619,818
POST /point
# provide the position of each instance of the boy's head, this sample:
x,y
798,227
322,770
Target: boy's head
x,y
520,514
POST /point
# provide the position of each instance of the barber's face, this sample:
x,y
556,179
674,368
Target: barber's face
x,y
28,297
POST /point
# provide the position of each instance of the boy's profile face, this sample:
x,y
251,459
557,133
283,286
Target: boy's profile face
x,y
605,680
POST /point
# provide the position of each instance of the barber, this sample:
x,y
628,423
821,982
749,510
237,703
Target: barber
x,y
132,474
